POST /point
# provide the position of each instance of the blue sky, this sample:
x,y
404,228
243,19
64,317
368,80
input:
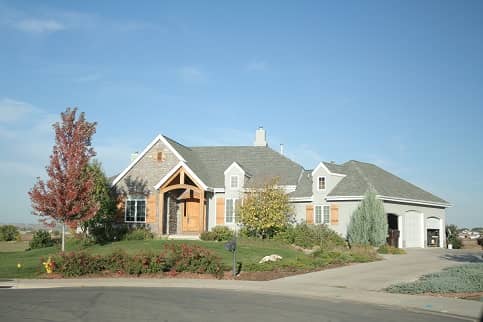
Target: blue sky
x,y
395,83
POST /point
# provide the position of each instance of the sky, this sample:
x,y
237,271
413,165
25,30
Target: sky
x,y
395,83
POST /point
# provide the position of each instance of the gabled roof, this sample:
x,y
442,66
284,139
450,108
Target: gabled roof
x,y
361,176
210,163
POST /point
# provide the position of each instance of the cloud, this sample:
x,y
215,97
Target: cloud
x,y
256,66
12,110
39,25
191,74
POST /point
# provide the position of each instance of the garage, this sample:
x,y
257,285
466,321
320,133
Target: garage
x,y
413,229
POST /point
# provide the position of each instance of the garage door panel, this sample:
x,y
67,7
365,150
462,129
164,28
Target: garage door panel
x,y
413,229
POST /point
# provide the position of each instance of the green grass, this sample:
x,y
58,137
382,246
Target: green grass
x,y
249,254
458,279
13,246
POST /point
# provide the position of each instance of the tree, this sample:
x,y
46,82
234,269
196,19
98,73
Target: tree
x,y
452,236
368,224
9,233
265,210
101,225
66,196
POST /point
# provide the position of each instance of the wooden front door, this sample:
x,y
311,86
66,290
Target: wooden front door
x,y
191,216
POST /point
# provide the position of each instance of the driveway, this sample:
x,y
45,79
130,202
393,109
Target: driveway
x,y
393,269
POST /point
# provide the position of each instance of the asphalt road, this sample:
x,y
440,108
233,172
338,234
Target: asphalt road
x,y
178,304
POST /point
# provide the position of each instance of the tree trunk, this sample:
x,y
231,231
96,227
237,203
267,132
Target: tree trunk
x,y
63,236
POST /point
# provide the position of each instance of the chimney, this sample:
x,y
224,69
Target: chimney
x,y
260,137
281,148
134,156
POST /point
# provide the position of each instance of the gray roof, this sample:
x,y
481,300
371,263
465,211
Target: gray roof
x,y
261,163
361,176
210,162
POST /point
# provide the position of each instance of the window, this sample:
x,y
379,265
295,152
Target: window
x,y
318,214
135,210
321,183
326,215
160,156
230,211
234,182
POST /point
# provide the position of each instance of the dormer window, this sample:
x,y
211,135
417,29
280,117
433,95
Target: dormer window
x,y
321,183
234,182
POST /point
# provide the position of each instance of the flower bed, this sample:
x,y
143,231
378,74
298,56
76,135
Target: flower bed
x,y
173,258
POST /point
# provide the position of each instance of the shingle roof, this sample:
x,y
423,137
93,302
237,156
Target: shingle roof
x,y
361,176
261,163
210,162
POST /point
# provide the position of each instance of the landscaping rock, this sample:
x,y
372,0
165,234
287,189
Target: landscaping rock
x,y
271,258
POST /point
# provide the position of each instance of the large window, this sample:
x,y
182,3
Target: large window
x,y
230,211
326,215
322,215
321,183
136,210
318,214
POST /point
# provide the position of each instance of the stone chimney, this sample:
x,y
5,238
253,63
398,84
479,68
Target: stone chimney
x,y
260,137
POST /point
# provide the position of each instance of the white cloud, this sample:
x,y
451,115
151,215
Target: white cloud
x,y
191,74
12,110
39,25
256,65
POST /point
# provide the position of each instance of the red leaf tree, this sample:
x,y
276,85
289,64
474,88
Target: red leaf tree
x,y
66,196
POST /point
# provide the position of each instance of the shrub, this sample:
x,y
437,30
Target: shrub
x,y
464,278
308,236
9,233
452,237
265,210
363,253
387,249
368,224
139,233
218,233
174,258
41,239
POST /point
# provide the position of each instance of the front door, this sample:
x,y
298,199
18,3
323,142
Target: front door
x,y
191,216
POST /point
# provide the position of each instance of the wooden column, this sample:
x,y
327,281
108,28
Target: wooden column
x,y
202,211
161,211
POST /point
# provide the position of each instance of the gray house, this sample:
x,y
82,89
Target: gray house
x,y
180,190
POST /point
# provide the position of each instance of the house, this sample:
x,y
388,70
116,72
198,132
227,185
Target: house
x,y
176,190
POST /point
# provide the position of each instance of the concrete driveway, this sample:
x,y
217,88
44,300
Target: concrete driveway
x,y
378,275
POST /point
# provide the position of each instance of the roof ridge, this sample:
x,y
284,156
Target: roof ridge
x,y
174,141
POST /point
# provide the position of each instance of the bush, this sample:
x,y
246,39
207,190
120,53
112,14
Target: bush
x,y
368,224
174,258
41,239
139,233
265,210
387,249
9,233
452,237
464,278
308,236
363,253
218,233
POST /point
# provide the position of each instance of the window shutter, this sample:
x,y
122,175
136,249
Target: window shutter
x,y
151,209
309,213
220,211
334,215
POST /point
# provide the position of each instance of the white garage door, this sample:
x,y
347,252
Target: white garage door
x,y
413,229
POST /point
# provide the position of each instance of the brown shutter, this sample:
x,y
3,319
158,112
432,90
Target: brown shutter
x,y
151,209
334,215
309,213
220,211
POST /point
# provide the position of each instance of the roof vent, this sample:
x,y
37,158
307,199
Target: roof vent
x,y
260,137
134,156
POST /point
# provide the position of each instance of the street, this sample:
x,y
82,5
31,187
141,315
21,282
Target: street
x,y
182,304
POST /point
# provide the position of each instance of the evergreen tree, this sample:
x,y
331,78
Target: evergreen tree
x,y
368,224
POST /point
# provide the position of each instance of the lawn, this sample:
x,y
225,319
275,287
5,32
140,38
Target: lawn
x,y
466,278
249,252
